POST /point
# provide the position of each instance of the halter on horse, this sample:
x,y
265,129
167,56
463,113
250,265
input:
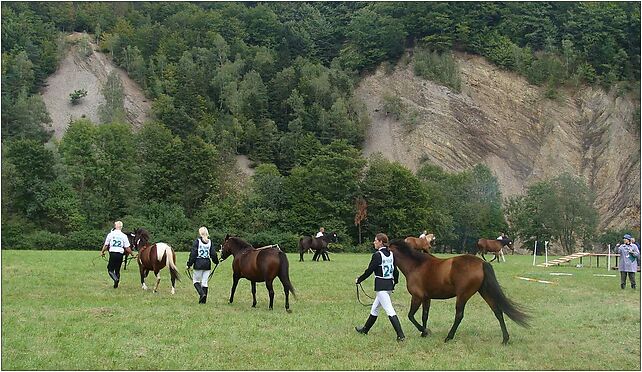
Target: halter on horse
x,y
429,277
257,265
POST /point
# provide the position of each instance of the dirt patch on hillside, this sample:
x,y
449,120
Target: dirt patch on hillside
x,y
89,73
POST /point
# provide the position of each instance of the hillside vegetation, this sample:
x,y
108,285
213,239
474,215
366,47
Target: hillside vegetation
x,y
275,82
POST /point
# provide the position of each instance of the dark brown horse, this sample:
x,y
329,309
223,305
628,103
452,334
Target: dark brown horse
x,y
494,246
429,277
421,244
318,245
153,258
257,265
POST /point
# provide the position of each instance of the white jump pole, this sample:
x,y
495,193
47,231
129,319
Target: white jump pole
x,y
546,250
534,252
608,260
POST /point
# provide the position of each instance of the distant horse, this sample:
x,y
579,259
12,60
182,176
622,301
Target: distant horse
x,y
257,265
318,245
495,246
131,236
153,258
421,244
429,277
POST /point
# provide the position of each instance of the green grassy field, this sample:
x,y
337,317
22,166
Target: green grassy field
x,y
60,312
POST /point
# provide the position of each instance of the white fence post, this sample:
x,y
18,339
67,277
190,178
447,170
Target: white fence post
x,y
546,250
534,252
608,260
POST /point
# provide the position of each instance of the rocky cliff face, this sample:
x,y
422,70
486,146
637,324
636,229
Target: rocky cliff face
x,y
502,121
89,73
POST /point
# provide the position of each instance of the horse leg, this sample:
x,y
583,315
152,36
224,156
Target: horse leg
x,y
501,252
157,274
494,258
143,275
270,288
325,255
459,315
301,254
235,282
414,306
482,254
424,317
499,315
253,294
316,256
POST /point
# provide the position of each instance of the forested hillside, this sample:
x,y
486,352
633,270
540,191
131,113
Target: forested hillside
x,y
274,81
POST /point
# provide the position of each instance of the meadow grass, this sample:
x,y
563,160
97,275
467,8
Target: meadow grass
x,y
60,312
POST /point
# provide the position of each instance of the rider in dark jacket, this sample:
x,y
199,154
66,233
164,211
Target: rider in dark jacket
x,y
202,253
386,276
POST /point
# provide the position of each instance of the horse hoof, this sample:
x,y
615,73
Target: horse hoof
x,y
447,339
288,311
425,333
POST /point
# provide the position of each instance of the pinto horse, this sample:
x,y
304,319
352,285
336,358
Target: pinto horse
x,y
429,277
318,245
495,246
257,265
421,244
153,258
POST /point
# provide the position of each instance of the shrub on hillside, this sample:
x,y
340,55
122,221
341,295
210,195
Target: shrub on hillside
x,y
438,67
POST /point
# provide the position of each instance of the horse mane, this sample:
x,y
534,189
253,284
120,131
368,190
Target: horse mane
x,y
405,249
241,243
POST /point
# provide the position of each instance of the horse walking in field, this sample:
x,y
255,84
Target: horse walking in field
x,y
421,244
318,245
257,265
429,277
494,246
154,258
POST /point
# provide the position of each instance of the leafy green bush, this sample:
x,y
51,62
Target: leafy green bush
x,y
88,239
43,240
77,95
438,67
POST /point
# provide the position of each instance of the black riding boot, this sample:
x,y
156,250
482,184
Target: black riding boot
x,y
371,320
205,297
397,326
200,291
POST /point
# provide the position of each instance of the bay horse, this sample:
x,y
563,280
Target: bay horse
x,y
494,246
421,244
154,258
429,277
318,245
257,265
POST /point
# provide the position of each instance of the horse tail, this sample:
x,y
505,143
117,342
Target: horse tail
x,y
171,265
284,273
490,287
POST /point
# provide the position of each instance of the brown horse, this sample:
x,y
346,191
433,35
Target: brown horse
x,y
494,246
318,245
155,257
257,265
429,277
421,244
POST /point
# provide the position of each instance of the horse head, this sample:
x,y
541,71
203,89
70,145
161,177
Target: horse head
x,y
331,237
226,250
141,238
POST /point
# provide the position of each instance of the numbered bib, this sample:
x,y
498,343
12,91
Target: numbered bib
x,y
387,266
203,249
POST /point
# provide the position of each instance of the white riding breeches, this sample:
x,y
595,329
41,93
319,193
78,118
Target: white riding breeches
x,y
201,276
383,299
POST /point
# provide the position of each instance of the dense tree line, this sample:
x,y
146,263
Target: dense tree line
x,y
273,81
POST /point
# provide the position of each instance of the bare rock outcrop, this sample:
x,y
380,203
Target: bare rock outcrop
x,y
501,120
89,73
